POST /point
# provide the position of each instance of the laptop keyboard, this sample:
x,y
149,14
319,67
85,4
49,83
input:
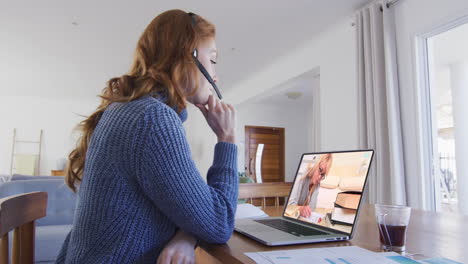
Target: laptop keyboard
x,y
291,228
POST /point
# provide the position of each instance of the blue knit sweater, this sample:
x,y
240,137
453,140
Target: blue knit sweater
x,y
140,185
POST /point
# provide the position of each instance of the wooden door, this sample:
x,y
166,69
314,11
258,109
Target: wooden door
x,y
272,164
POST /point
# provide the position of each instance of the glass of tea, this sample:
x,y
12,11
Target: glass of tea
x,y
392,221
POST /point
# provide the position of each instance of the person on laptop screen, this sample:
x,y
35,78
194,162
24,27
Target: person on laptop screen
x,y
304,195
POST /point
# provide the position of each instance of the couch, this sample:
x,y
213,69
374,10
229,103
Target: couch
x,y
52,229
21,177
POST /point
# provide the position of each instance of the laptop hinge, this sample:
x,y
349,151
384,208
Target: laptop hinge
x,y
316,226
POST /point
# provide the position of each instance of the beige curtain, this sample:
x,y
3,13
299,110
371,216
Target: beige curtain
x,y
379,119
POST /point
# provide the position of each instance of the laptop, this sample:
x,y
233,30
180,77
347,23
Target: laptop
x,y
323,203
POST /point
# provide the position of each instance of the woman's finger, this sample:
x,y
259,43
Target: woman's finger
x,y
217,103
177,259
162,259
211,102
225,107
168,256
231,110
190,260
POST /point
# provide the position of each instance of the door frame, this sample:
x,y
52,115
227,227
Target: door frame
x,y
430,191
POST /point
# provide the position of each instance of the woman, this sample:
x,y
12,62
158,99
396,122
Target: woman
x,y
141,198
304,195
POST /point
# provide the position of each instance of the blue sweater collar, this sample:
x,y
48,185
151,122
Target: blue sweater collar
x,y
182,115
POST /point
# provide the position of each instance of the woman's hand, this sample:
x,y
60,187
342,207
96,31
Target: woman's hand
x,y
180,250
221,117
305,211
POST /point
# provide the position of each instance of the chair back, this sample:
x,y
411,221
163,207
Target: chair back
x,y
61,200
19,213
264,190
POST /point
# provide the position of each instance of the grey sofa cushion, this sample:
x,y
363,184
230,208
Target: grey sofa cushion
x,y
21,177
49,240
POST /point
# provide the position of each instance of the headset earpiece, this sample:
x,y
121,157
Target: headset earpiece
x,y
200,66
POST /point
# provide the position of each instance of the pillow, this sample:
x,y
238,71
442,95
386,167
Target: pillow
x,y
5,178
330,182
352,183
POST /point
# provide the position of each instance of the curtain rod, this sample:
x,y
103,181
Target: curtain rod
x,y
388,5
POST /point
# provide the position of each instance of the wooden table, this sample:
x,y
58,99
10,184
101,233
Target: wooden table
x,y
429,234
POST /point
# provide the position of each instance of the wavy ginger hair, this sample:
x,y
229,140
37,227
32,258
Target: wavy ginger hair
x,y
162,63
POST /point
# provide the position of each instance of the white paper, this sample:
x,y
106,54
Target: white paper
x,y
439,261
248,211
330,255
343,215
315,217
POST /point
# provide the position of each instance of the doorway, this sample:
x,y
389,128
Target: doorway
x,y
444,79
264,153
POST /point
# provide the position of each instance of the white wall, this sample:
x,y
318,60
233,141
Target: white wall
x,y
413,18
292,118
57,117
201,139
334,52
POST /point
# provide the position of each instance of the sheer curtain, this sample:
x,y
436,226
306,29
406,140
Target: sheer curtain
x,y
379,119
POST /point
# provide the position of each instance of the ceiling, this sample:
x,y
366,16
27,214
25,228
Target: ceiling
x,y
304,84
71,48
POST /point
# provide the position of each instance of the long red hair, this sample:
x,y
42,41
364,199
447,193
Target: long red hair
x,y
162,63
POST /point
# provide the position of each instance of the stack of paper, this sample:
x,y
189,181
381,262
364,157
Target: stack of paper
x,y
331,255
343,215
249,211
337,255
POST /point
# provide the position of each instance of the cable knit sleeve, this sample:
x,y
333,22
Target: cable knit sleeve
x,y
169,178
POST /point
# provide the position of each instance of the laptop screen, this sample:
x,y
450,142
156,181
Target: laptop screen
x,y
328,188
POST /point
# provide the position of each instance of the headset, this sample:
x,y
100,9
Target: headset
x,y
200,66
